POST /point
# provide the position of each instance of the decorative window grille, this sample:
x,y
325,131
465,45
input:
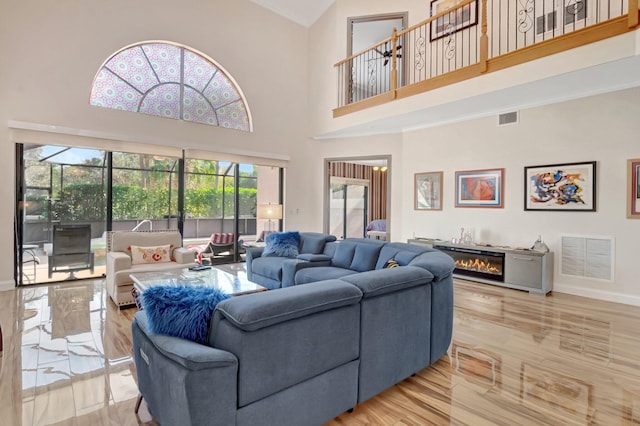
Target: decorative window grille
x,y
172,81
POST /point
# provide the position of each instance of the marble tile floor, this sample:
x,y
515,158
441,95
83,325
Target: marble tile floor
x,y
516,359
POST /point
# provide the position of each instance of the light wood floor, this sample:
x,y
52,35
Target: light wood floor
x,y
516,359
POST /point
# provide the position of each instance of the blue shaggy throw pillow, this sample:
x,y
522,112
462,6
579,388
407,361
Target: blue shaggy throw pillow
x,y
282,244
182,311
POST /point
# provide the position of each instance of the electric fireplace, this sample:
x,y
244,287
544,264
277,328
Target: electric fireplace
x,y
488,265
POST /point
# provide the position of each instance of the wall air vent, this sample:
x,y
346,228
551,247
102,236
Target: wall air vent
x,y
508,118
587,257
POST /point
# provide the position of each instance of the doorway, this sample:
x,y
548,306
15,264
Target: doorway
x,y
357,197
372,75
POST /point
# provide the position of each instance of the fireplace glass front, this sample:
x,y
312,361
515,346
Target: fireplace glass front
x,y
483,264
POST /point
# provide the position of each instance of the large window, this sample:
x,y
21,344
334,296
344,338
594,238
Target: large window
x,y
104,191
171,81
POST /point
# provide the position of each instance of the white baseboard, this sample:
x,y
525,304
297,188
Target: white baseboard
x,y
597,294
7,285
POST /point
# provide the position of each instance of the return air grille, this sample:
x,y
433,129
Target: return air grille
x,y
508,118
587,257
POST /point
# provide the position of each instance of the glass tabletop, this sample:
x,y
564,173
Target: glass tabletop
x,y
215,278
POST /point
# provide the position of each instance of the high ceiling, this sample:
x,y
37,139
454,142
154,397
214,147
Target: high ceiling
x,y
304,12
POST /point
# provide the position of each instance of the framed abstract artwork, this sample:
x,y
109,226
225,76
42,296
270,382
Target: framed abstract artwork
x,y
561,187
428,191
633,200
480,188
453,21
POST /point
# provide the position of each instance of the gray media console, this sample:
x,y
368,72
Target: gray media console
x,y
521,269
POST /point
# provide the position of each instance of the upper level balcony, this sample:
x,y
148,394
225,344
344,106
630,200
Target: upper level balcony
x,y
466,39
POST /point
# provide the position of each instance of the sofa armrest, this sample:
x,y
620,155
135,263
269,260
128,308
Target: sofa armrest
x,y
183,255
190,355
184,382
309,257
291,266
250,254
439,264
253,252
117,261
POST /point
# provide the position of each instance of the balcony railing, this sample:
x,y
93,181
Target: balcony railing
x,y
472,38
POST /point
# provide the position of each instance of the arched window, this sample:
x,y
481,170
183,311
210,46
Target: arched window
x,y
173,81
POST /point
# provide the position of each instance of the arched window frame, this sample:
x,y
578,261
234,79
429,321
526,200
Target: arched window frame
x,y
141,78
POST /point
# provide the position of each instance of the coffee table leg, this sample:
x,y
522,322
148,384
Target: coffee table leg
x,y
136,297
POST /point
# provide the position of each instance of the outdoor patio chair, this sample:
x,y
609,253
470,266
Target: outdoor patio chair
x,y
71,250
219,242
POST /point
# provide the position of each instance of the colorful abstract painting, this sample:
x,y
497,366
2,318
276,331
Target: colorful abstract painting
x,y
479,188
561,187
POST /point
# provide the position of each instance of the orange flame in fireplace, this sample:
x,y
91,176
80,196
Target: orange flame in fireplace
x,y
477,265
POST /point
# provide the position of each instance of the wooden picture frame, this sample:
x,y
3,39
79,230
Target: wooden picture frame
x,y
633,188
450,23
560,187
480,188
427,190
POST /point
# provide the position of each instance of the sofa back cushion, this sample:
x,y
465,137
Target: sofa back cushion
x,y
402,253
314,242
288,334
357,254
122,240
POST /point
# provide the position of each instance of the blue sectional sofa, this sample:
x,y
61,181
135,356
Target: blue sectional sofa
x,y
304,354
272,272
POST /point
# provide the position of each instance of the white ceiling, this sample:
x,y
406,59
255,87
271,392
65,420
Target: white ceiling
x,y
304,12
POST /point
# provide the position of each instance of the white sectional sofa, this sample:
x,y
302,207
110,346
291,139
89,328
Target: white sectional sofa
x,y
120,265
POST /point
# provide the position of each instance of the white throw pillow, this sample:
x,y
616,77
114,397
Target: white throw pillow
x,y
156,254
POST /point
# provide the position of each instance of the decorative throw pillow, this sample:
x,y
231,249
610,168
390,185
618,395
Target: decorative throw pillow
x,y
151,254
391,263
182,311
282,244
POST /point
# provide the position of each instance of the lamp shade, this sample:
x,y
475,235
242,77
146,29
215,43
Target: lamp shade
x,y
269,211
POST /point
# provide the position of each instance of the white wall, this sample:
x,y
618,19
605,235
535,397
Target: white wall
x,y
50,52
603,128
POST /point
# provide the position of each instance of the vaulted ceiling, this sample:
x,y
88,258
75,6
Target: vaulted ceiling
x,y
304,12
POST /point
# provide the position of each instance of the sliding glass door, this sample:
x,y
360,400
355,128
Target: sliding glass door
x,y
348,210
86,192
61,213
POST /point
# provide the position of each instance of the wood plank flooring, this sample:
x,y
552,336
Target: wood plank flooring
x,y
515,359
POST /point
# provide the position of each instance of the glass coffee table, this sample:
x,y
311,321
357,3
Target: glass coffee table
x,y
213,277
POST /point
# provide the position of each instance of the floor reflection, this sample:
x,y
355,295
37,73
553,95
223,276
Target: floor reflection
x,y
71,358
515,359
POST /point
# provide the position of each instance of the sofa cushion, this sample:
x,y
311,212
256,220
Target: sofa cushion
x,y
282,244
155,254
270,267
122,277
403,253
312,244
343,255
366,255
383,281
181,311
255,311
121,240
319,273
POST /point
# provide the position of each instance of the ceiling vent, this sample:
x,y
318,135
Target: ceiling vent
x,y
508,118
